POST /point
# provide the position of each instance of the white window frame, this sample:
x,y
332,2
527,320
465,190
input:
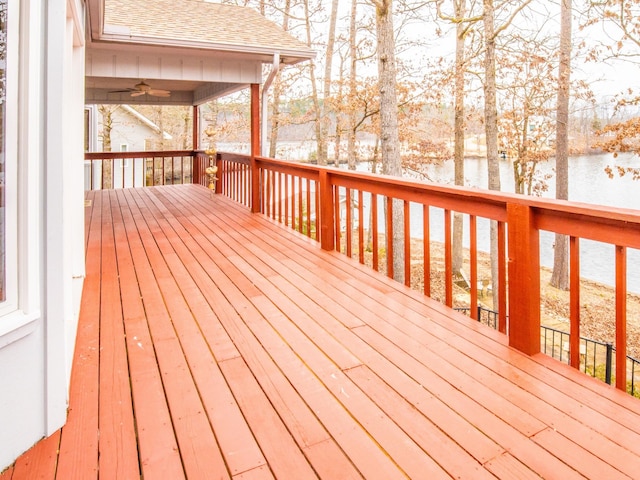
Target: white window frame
x,y
10,166
19,310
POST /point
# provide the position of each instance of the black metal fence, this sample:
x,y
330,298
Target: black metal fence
x,y
596,358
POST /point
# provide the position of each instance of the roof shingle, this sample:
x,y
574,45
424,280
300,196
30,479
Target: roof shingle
x,y
199,22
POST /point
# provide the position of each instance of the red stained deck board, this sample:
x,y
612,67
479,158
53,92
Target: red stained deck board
x,y
248,344
78,457
40,462
199,450
157,445
117,448
285,457
447,453
580,459
505,466
296,415
356,447
237,443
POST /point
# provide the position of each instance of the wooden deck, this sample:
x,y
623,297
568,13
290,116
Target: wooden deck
x,y
214,344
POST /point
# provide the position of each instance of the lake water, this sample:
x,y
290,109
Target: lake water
x,y
588,183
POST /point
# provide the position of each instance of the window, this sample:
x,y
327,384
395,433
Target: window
x,y
3,220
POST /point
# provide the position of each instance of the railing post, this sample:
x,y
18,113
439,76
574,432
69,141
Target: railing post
x,y
327,220
524,279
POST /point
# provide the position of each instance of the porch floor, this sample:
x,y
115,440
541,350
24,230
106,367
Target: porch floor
x,y
213,343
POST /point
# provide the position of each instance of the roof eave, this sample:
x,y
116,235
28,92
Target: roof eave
x,y
287,55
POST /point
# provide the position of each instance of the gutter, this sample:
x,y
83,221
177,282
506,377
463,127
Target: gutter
x,y
265,90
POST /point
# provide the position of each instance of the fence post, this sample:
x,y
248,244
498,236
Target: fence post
x,y
327,221
608,366
524,279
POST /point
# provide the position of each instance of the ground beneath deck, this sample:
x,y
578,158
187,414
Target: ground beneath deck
x,y
214,343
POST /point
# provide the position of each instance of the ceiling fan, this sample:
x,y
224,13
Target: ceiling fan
x,y
143,88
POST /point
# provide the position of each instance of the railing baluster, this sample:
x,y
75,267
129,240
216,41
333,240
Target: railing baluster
x,y
309,210
574,302
286,199
374,228
502,278
448,268
300,207
473,267
389,236
336,217
407,244
317,206
348,227
426,239
360,227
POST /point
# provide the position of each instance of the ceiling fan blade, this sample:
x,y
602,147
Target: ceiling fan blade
x,y
159,93
137,93
122,91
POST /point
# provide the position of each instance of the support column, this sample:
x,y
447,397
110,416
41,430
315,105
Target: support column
x,y
255,147
195,145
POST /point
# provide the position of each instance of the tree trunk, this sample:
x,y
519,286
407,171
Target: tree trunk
x,y
326,94
491,129
560,275
186,129
107,125
390,143
458,129
340,121
353,57
314,88
277,92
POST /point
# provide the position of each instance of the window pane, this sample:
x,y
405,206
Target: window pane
x,y
3,61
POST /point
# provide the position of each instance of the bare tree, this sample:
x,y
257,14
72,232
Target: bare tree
x,y
107,125
389,135
326,94
491,128
277,89
560,275
353,57
463,24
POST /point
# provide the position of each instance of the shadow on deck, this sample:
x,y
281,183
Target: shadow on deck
x,y
214,344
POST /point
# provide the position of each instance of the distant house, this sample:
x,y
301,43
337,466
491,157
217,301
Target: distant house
x,y
131,132
55,60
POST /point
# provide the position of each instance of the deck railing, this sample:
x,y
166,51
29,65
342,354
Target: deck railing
x,y
104,170
346,211
336,207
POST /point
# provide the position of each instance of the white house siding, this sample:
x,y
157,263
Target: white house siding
x,y
38,336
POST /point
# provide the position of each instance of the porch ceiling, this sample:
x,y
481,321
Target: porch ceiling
x,y
196,49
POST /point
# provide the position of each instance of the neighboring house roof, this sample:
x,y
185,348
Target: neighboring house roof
x,y
145,121
199,23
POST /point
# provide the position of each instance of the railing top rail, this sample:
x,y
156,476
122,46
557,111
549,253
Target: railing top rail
x,y
142,154
582,220
235,157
